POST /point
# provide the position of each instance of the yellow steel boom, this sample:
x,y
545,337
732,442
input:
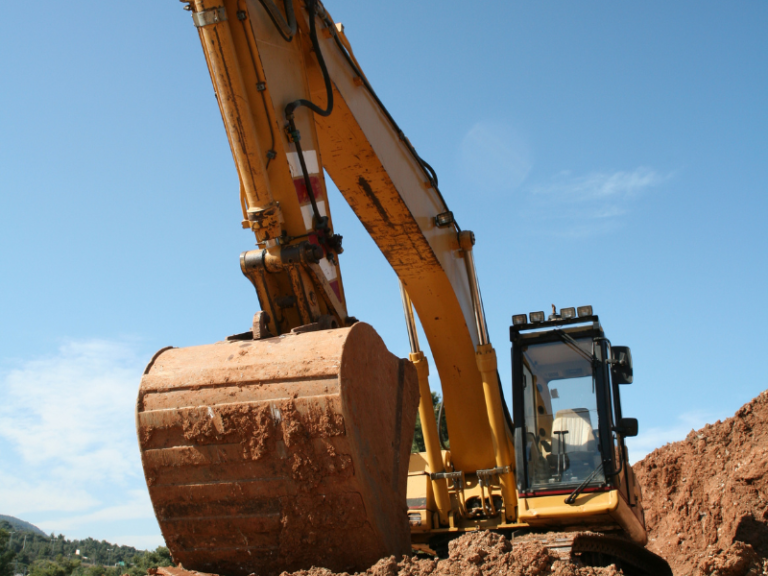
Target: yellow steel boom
x,y
257,76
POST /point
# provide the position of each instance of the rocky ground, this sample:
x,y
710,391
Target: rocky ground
x,y
489,554
479,554
706,498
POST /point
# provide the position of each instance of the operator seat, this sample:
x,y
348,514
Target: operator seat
x,y
580,436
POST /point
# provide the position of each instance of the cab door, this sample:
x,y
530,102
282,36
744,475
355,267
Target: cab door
x,y
625,478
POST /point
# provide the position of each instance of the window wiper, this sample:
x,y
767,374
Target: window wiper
x,y
575,494
575,345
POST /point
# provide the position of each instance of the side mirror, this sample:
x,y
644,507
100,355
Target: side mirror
x,y
621,365
627,427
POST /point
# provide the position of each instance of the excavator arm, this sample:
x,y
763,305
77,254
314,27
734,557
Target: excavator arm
x,y
287,446
391,190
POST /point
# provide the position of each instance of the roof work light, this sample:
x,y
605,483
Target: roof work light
x,y
584,311
537,317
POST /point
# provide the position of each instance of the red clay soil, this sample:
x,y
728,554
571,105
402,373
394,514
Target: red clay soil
x,y
706,497
475,554
478,554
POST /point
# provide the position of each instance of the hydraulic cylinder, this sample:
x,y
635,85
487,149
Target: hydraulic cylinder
x,y
431,436
503,451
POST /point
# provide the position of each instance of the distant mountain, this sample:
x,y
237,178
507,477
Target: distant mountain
x,y
21,525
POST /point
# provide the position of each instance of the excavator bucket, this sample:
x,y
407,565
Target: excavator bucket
x,y
279,454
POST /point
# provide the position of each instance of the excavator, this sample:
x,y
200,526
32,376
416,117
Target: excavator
x,y
289,445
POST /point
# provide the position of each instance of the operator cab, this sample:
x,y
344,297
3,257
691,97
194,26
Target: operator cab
x,y
567,407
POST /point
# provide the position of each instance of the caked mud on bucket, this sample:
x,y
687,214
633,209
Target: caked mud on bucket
x,y
278,454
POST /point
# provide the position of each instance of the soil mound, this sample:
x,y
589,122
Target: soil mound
x,y
478,554
706,497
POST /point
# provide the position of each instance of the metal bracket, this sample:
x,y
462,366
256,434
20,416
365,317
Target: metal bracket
x,y
484,480
456,488
455,477
486,475
260,328
266,220
209,17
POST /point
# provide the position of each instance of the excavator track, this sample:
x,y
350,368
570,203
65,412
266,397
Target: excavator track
x,y
596,549
279,454
633,559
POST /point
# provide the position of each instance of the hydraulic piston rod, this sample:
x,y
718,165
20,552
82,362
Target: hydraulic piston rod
x,y
426,412
213,25
487,364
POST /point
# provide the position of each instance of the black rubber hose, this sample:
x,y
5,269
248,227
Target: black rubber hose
x,y
278,20
320,222
290,108
307,181
428,170
311,7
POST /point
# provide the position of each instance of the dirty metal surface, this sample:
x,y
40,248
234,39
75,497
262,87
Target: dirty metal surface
x,y
634,560
279,454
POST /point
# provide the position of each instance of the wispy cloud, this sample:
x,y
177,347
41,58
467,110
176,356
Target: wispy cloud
x,y
21,496
70,456
134,505
73,412
138,541
650,439
600,185
583,205
494,158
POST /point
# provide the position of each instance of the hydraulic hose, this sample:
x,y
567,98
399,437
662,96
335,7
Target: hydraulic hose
x,y
287,31
320,222
428,170
287,28
311,7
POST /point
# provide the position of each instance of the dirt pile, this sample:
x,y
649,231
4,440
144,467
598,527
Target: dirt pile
x,y
478,554
706,497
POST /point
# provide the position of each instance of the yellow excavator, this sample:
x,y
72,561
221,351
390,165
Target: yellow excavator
x,y
289,445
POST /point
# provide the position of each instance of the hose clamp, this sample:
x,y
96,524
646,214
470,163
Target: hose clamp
x,y
209,17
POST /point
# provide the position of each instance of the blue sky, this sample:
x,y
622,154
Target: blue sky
x,y
604,153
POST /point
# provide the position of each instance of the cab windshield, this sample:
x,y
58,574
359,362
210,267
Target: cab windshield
x,y
561,421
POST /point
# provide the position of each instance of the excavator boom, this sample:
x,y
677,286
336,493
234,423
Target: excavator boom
x,y
288,445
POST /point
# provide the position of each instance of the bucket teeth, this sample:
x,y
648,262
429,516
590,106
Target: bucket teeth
x,y
279,454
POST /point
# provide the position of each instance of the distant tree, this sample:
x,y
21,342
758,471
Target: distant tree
x,y
6,556
418,436
92,571
40,555
46,568
69,564
59,567
160,557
